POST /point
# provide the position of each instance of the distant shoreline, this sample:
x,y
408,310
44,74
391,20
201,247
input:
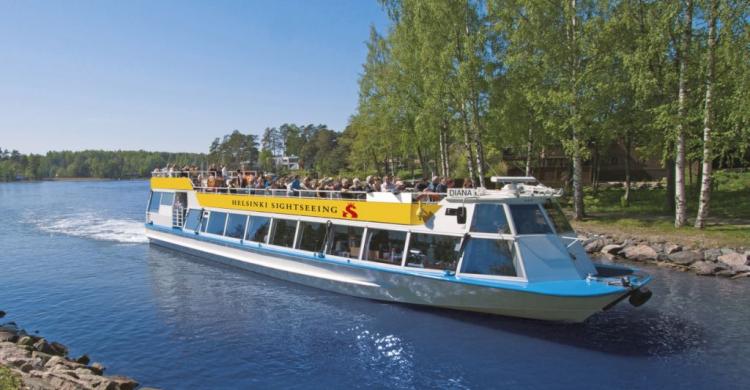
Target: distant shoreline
x,y
74,179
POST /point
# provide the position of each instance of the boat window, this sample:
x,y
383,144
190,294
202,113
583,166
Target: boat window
x,y
258,229
153,206
346,241
167,198
529,219
488,257
489,218
558,218
385,246
283,232
236,225
312,235
193,219
433,251
216,223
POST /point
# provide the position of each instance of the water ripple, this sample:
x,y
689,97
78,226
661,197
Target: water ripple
x,y
93,226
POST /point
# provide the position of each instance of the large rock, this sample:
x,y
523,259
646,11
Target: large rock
x,y
611,249
9,336
640,253
594,245
59,349
712,254
735,261
741,275
685,257
670,248
123,382
705,268
726,273
43,346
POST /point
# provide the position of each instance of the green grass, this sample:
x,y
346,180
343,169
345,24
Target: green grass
x,y
8,380
647,216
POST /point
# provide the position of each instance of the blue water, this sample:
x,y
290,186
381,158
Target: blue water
x,y
75,266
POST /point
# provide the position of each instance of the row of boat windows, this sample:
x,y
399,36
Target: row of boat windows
x,y
431,251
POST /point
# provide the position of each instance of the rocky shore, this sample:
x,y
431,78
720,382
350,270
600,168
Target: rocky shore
x,y
723,262
38,364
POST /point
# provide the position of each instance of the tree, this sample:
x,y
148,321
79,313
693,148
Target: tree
x,y
705,196
680,197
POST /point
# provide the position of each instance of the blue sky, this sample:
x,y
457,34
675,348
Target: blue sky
x,y
173,75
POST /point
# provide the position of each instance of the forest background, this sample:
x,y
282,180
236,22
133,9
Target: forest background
x,y
455,87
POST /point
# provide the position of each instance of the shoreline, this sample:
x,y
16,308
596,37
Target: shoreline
x,y
731,263
31,362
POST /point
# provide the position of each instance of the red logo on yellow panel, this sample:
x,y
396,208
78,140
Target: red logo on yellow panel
x,y
350,211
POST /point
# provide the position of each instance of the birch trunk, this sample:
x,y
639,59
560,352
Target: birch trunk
x,y
444,156
628,146
705,197
480,148
528,153
578,211
469,149
680,216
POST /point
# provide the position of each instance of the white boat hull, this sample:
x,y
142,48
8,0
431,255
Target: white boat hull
x,y
392,286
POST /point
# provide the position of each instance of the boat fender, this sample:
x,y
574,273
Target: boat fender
x,y
640,296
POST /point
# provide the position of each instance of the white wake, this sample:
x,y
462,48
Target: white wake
x,y
89,225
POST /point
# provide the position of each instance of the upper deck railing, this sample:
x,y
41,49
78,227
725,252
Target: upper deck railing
x,y
202,180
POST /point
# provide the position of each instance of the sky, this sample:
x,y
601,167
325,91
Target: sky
x,y
173,75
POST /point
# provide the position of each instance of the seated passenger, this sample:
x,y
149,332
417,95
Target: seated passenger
x,y
468,183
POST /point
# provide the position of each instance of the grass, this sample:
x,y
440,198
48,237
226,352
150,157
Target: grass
x,y
647,216
8,380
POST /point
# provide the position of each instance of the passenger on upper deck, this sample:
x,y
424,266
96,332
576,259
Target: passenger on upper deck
x,y
387,185
437,185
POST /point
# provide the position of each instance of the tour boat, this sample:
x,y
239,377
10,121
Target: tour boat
x,y
509,252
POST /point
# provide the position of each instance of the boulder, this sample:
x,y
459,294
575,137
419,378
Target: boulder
x,y
42,357
741,275
640,253
123,382
83,359
43,346
594,245
8,336
712,254
97,368
26,340
670,248
611,249
734,261
726,273
59,349
685,257
704,268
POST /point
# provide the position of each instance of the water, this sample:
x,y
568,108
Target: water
x,y
75,266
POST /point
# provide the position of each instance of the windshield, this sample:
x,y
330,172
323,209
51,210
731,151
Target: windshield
x,y
528,219
558,218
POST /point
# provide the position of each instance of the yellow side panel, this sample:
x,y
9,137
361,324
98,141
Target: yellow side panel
x,y
358,210
171,183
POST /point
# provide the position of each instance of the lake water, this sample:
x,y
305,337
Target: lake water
x,y
75,265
